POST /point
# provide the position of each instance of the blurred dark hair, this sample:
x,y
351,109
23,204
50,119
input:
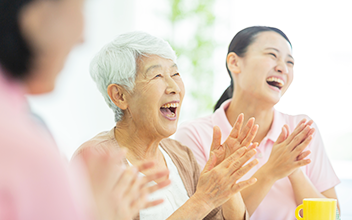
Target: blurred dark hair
x,y
15,54
239,45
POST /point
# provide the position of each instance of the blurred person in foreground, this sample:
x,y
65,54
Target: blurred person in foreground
x,y
35,183
138,77
293,164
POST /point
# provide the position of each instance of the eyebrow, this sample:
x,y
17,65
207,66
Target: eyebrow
x,y
158,66
272,48
152,67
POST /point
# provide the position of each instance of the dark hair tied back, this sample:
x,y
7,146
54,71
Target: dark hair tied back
x,y
15,54
239,45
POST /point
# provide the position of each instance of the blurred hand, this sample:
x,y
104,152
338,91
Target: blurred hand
x,y
288,152
218,184
119,192
239,137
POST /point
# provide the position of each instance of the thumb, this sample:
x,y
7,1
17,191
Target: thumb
x,y
216,139
211,162
283,135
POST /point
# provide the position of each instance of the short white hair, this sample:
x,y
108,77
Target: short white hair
x,y
116,62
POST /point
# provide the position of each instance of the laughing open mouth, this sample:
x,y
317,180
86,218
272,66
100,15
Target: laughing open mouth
x,y
275,82
169,110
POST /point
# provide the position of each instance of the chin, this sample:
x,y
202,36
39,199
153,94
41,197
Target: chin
x,y
38,88
169,132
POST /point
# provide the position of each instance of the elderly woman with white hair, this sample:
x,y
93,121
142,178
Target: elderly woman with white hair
x,y
139,79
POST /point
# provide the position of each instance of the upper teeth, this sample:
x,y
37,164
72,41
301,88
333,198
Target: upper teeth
x,y
274,79
170,105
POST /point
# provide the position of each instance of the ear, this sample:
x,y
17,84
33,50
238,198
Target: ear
x,y
233,63
117,95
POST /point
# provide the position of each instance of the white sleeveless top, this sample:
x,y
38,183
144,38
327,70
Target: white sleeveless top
x,y
174,195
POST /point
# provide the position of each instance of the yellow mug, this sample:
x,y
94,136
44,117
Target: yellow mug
x,y
317,209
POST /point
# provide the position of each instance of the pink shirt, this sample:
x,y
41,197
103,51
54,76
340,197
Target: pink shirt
x,y
34,180
279,203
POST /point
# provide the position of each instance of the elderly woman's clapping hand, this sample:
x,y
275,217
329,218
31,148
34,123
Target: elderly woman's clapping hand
x,y
218,184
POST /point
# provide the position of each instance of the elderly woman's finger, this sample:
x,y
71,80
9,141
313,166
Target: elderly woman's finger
x,y
211,162
237,187
237,164
233,157
239,173
216,143
237,126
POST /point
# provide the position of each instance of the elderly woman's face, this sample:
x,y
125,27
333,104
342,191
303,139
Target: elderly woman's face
x,y
157,96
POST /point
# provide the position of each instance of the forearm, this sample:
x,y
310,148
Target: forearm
x,y
194,208
303,187
254,195
234,208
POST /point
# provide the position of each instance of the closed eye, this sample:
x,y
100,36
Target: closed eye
x,y
272,54
290,62
176,74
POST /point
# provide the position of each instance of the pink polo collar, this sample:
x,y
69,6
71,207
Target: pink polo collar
x,y
219,119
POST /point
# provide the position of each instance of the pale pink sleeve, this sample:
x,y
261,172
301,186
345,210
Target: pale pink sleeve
x,y
35,183
187,135
320,170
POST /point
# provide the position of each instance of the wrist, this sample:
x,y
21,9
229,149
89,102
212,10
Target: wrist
x,y
295,174
265,173
202,204
234,208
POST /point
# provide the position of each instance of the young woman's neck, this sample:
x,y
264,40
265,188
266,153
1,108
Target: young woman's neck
x,y
251,107
140,145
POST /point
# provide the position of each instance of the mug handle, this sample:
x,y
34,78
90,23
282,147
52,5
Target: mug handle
x,y
298,216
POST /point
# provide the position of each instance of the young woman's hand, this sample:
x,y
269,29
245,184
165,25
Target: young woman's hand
x,y
288,152
239,137
119,192
218,184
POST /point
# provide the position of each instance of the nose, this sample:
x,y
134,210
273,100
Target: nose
x,y
172,86
281,67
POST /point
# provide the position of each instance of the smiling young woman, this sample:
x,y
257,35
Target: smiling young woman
x,y
292,161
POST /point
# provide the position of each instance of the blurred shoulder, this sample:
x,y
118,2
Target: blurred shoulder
x,y
292,120
102,140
